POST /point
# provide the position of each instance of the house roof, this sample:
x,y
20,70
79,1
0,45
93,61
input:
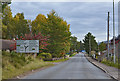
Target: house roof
x,y
117,39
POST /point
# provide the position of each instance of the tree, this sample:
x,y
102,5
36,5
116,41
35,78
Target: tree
x,y
7,15
89,41
59,34
40,24
3,4
20,25
102,46
73,46
79,46
6,20
4,31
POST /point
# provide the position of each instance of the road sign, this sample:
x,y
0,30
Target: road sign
x,y
27,46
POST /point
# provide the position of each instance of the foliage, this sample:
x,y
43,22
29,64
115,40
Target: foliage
x,y
20,24
89,41
4,4
44,55
102,46
4,30
42,40
14,26
79,46
75,45
40,24
16,59
59,35
73,41
53,27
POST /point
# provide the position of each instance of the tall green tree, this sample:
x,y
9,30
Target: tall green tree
x,y
7,15
79,46
74,42
4,31
59,34
89,41
6,20
20,25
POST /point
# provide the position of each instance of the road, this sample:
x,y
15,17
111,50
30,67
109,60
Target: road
x,y
78,67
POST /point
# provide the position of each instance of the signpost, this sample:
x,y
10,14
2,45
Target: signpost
x,y
27,46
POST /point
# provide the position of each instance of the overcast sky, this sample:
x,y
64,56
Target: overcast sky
x,y
83,17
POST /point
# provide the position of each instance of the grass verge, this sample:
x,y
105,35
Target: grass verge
x,y
11,71
61,60
109,63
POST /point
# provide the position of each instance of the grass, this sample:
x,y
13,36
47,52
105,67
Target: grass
x,y
61,60
109,63
0,66
73,55
10,71
14,64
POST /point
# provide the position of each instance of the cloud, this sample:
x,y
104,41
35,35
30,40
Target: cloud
x,y
83,17
64,0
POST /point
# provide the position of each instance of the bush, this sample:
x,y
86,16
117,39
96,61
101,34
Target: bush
x,y
44,56
15,59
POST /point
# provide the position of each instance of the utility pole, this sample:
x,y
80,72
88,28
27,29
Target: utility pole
x,y
114,33
108,38
89,46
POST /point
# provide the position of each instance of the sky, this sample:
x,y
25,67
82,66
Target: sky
x,y
83,17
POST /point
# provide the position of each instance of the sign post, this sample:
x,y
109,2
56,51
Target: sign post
x,y
27,46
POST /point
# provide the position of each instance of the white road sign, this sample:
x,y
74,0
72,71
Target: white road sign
x,y
27,46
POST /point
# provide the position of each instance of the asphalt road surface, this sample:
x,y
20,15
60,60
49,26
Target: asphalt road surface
x,y
78,67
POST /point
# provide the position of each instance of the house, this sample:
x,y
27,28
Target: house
x,y
6,44
111,51
111,48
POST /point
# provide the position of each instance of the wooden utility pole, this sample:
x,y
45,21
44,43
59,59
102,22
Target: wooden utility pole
x,y
108,38
89,45
114,33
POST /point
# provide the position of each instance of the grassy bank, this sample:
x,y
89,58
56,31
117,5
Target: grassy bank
x,y
13,72
0,66
14,64
61,60
109,63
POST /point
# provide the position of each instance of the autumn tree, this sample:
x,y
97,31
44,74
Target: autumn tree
x,y
30,36
102,46
59,34
40,24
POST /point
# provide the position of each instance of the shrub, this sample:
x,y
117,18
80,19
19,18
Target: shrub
x,y
15,59
45,56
